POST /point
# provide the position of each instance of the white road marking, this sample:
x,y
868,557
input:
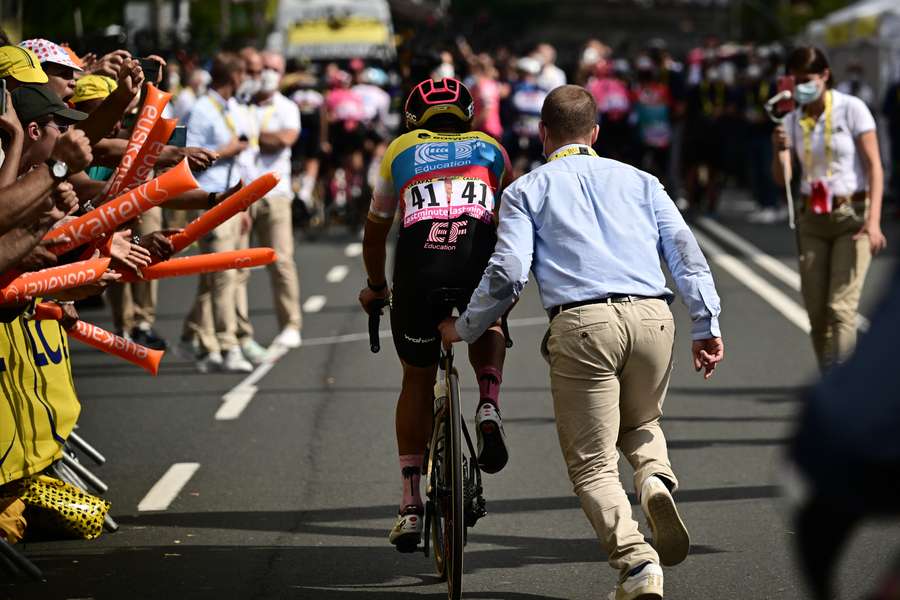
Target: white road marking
x,y
337,273
768,263
314,304
168,487
792,311
353,250
237,399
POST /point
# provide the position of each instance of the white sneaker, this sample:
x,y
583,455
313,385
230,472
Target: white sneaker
x,y
407,531
288,338
491,439
234,362
253,351
645,584
209,363
670,537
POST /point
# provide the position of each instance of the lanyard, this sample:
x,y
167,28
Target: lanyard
x,y
708,103
571,151
807,124
263,121
228,120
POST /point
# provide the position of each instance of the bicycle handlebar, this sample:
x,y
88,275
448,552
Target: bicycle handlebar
x,y
375,308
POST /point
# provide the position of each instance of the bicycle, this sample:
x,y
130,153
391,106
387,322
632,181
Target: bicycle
x,y
452,478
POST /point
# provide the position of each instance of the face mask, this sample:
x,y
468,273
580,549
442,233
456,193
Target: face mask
x,y
754,72
444,71
248,89
804,93
269,80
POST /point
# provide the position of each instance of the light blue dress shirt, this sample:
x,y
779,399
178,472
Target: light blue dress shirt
x,y
588,228
208,127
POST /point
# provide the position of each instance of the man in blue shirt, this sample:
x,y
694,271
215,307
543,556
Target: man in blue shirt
x,y
592,230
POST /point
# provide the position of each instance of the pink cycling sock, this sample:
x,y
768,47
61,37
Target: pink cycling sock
x,y
489,380
411,471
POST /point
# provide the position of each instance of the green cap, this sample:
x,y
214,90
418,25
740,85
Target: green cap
x,y
35,101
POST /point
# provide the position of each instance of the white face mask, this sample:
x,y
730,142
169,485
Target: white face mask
x,y
269,80
249,88
807,92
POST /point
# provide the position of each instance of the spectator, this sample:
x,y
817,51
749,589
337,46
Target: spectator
x,y
551,76
610,92
652,109
486,92
57,64
198,82
527,98
215,123
20,66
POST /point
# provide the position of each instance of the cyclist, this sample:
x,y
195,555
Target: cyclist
x,y
446,181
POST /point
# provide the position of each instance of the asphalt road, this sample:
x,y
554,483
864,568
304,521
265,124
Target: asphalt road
x,y
293,498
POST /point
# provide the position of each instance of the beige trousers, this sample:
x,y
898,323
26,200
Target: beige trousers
x,y
833,268
610,366
213,318
134,304
272,227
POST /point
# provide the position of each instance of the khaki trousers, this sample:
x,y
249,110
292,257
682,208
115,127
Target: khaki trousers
x,y
833,268
272,227
213,318
610,366
134,304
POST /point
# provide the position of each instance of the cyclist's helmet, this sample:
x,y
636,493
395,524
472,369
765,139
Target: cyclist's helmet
x,y
446,97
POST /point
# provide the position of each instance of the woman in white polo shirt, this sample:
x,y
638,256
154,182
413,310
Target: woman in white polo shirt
x,y
835,144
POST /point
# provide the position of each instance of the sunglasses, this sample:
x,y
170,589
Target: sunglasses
x,y
57,126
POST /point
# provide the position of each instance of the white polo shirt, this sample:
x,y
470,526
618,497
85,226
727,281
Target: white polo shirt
x,y
850,118
275,114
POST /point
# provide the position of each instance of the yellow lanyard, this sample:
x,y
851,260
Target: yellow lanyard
x,y
579,149
807,124
228,120
263,122
710,104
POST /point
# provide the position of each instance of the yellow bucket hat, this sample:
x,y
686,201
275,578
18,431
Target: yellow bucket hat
x,y
21,64
92,87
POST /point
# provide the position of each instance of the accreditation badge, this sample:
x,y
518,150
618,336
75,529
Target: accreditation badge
x,y
820,198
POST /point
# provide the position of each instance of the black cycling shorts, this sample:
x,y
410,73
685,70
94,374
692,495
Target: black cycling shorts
x,y
414,321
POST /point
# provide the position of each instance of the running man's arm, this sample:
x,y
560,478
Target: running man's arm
x,y
506,273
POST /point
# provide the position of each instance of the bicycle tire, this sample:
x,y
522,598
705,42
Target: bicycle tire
x,y
455,520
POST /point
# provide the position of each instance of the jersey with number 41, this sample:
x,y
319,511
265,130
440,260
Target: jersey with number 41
x,y
447,188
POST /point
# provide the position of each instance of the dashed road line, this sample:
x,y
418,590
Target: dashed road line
x,y
314,304
236,400
337,273
768,263
353,250
164,491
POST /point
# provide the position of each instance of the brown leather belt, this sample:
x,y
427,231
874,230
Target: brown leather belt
x,y
611,299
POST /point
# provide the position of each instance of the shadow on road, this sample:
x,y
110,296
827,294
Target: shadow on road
x,y
277,572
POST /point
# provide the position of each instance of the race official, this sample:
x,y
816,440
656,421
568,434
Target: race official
x,y
274,123
592,230
216,123
834,138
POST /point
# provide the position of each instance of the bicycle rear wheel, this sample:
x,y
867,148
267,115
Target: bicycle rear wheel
x,y
454,517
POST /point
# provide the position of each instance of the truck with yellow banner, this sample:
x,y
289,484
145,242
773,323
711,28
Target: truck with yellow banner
x,y
334,29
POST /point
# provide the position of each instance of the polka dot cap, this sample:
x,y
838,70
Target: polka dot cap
x,y
48,52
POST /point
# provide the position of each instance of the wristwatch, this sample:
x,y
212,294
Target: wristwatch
x,y
376,288
58,169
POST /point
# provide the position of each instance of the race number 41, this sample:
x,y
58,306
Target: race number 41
x,y
447,199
